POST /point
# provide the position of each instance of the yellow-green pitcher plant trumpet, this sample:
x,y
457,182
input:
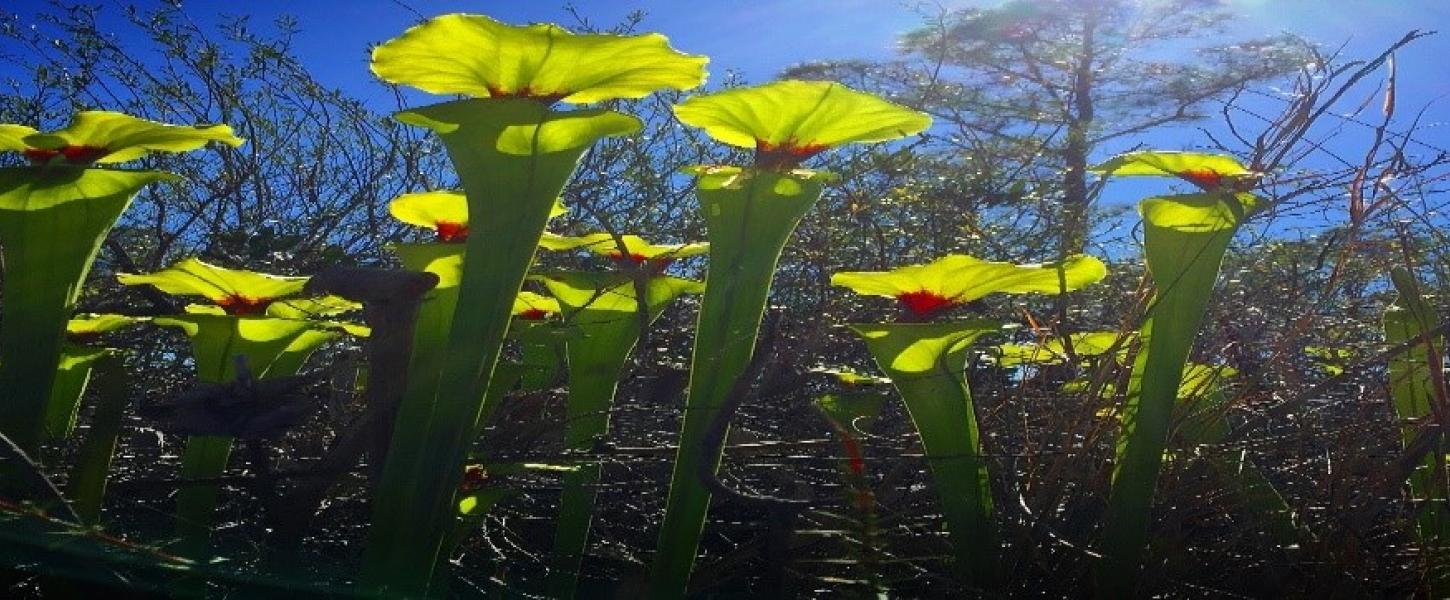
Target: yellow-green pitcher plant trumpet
x,y
750,212
54,214
513,151
238,328
927,361
1184,240
603,310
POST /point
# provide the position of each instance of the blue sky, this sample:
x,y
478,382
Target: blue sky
x,y
760,37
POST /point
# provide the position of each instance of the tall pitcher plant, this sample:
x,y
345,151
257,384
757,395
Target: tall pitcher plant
x,y
1184,241
513,153
248,320
445,213
750,213
604,310
1416,389
927,363
86,485
54,214
78,358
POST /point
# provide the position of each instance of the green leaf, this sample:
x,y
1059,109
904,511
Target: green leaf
x,y
964,278
112,137
437,210
477,56
296,353
443,260
12,137
80,357
588,297
957,279
1332,360
1194,213
477,503
35,189
350,328
799,118
906,351
215,339
852,379
69,387
1200,380
87,482
1202,404
521,128
852,413
74,371
237,291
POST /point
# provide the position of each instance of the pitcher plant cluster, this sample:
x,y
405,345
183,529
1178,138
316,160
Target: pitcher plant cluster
x,y
523,105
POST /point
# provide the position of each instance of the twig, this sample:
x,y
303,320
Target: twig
x,y
714,441
32,476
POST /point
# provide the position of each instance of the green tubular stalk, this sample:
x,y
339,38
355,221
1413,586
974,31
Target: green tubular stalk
x,y
52,222
205,457
430,338
71,379
1185,238
513,157
87,484
749,217
1412,388
540,364
215,340
297,351
604,309
508,377
1206,425
435,316
596,361
1261,498
927,362
541,346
